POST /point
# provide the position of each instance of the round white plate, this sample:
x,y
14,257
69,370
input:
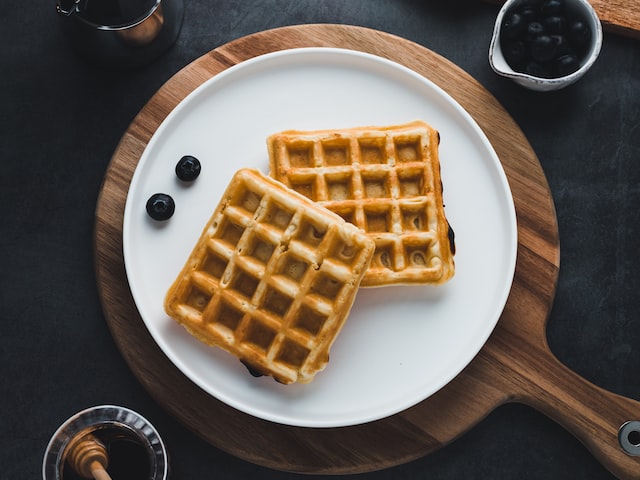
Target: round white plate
x,y
400,344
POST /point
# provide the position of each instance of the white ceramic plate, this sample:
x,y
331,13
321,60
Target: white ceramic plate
x,y
400,344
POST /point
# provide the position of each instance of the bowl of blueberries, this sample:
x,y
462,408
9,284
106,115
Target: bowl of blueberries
x,y
545,45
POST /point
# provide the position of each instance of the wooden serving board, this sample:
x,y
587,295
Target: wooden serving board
x,y
515,365
621,17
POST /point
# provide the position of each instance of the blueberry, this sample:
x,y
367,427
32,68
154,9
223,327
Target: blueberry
x,y
566,65
543,38
534,30
562,46
579,34
514,52
252,370
522,4
555,24
552,7
160,206
513,26
537,70
188,168
543,48
529,14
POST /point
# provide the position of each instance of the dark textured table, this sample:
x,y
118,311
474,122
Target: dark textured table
x,y
62,119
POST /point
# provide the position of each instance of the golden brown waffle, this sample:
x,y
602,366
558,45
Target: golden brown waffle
x,y
386,181
271,279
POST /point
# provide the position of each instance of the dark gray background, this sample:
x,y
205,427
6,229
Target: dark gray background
x,y
61,120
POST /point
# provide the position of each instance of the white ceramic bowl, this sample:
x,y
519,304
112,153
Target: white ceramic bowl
x,y
501,67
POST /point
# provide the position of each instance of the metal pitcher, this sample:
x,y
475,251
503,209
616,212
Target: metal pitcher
x,y
121,33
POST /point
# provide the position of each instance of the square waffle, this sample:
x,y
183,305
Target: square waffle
x,y
384,180
271,279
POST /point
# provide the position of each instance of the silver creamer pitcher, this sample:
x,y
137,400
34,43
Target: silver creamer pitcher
x,y
121,33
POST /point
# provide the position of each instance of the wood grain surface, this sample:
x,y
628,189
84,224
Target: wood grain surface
x,y
621,17
515,365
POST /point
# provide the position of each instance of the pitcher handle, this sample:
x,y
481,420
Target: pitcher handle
x,y
69,7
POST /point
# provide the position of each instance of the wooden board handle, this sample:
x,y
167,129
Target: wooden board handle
x,y
595,416
515,364
529,373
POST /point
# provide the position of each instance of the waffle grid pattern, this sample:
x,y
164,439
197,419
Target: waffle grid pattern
x,y
385,181
271,279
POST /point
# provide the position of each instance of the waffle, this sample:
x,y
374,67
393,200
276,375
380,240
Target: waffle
x,y
386,181
271,279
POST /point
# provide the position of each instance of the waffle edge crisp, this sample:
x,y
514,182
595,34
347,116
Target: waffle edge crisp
x,y
385,180
271,279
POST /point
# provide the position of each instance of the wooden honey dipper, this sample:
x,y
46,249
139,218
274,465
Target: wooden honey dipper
x,y
88,457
